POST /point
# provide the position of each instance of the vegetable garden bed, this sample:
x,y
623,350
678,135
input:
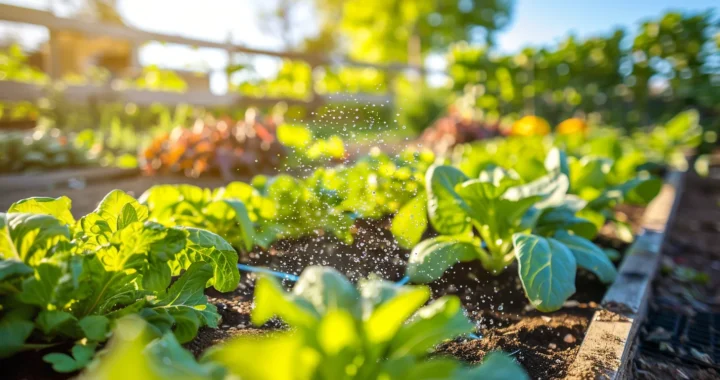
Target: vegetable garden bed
x,y
515,239
546,344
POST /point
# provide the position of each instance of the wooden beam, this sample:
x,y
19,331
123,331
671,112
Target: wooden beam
x,y
606,349
49,20
17,91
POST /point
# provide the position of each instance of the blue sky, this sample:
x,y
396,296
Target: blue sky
x,y
539,22
535,22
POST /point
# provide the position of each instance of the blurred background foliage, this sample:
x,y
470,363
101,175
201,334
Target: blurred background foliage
x,y
670,63
624,77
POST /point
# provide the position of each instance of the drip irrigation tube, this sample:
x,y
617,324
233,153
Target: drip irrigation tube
x,y
292,277
284,276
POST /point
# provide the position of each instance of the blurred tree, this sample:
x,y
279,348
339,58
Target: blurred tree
x,y
672,62
393,30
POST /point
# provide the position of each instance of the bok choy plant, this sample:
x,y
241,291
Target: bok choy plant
x,y
497,219
377,331
65,281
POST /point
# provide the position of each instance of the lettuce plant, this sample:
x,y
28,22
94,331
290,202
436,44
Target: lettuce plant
x,y
302,210
377,331
496,219
378,185
233,212
63,280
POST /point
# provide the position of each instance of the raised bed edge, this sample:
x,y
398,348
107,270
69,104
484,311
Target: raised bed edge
x,y
605,350
54,179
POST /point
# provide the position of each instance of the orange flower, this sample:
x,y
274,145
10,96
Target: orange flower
x,y
530,126
572,126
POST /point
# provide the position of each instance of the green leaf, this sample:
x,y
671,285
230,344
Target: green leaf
x,y
57,207
557,162
407,368
645,190
432,257
564,218
684,127
206,246
612,254
495,217
13,268
272,300
639,190
95,327
32,235
495,366
128,215
241,226
552,189
294,136
588,256
62,363
597,218
547,270
272,358
111,209
161,199
40,289
7,247
135,353
169,360
14,330
410,222
51,322
431,325
337,332
327,289
589,172
445,207
185,301
156,276
387,318
81,357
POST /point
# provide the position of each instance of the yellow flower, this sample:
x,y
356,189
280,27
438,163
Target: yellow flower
x,y
572,126
530,126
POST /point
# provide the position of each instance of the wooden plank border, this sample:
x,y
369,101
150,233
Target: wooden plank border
x,y
605,350
62,178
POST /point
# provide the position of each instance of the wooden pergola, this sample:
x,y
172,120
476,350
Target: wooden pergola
x,y
13,91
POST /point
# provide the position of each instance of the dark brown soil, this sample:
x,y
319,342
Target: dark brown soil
x,y
545,343
691,243
29,365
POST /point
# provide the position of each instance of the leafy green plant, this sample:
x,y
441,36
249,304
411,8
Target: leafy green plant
x,y
232,212
378,185
497,219
672,141
380,330
65,281
307,149
136,352
14,66
590,178
303,209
